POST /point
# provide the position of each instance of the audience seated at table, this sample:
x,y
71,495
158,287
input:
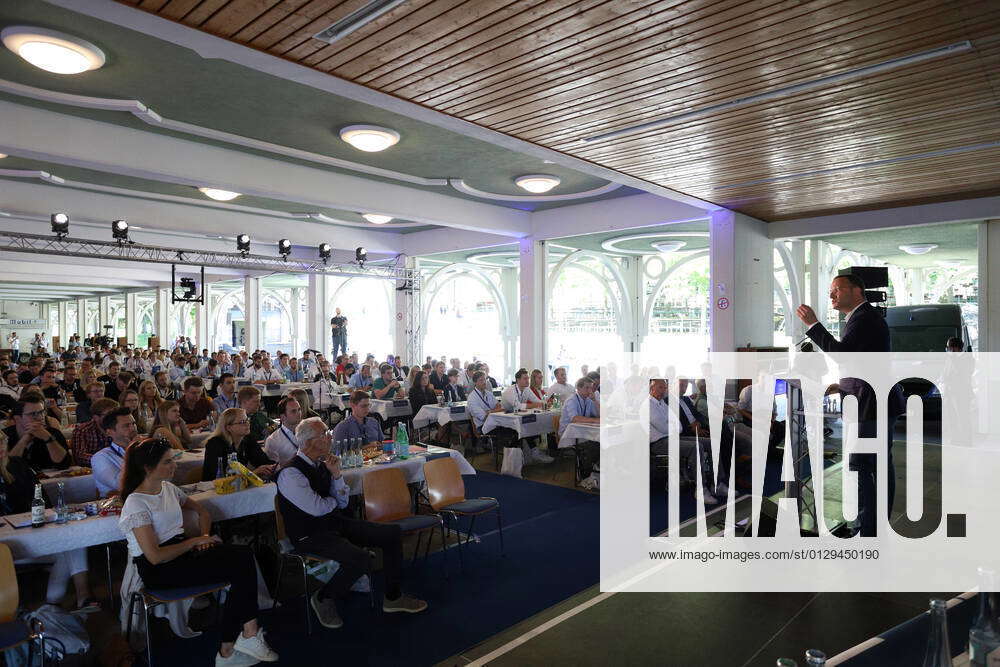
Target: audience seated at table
x,y
195,406
358,423
153,524
361,380
581,409
305,403
53,415
149,401
250,401
226,396
168,425
439,378
422,393
130,399
95,391
41,446
232,436
119,426
17,490
386,387
281,445
311,496
454,391
89,437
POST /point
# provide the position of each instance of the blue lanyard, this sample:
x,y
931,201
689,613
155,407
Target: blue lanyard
x,y
284,431
582,406
482,397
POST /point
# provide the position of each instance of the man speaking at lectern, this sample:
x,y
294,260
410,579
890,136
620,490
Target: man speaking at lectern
x,y
865,330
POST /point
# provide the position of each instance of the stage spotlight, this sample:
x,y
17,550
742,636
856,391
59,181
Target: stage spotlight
x,y
243,243
60,224
190,287
119,230
361,255
284,248
324,251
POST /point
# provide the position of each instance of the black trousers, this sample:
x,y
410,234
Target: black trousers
x,y
223,562
506,437
343,541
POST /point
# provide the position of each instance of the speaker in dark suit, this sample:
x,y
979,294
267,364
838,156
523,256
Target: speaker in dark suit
x,y
865,330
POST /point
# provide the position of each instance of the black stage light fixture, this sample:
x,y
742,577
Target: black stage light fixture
x,y
361,255
190,287
243,243
119,230
60,224
284,248
324,251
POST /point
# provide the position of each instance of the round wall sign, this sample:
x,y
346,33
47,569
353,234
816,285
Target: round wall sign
x,y
723,303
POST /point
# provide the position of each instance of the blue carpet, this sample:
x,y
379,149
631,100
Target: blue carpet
x,y
551,536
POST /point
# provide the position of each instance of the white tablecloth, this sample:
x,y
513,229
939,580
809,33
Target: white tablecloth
x,y
441,414
82,488
53,538
527,424
396,408
413,469
576,432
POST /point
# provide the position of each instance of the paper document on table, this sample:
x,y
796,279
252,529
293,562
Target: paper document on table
x,y
23,520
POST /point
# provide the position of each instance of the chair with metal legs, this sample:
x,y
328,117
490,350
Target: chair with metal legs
x,y
14,632
387,500
150,599
446,492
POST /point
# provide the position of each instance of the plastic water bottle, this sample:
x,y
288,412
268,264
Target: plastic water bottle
x,y
220,470
402,443
62,512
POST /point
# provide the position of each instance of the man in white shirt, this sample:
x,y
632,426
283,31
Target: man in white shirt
x,y
518,394
107,463
266,374
281,445
560,387
311,494
482,401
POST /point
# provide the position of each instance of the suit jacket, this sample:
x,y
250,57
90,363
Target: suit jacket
x,y
686,429
865,331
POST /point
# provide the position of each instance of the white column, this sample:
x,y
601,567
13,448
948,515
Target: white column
x,y
81,319
162,315
917,286
818,284
632,337
201,318
400,309
742,282
317,329
532,305
295,306
131,315
104,315
64,326
251,302
797,285
509,329
989,284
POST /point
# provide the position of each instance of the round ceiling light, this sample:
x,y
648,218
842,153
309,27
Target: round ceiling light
x,y
536,183
219,195
52,51
376,219
369,138
667,247
918,248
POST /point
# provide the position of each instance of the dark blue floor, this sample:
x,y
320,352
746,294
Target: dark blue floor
x,y
551,536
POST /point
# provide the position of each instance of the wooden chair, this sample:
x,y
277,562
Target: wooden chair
x,y
303,557
446,492
14,632
387,500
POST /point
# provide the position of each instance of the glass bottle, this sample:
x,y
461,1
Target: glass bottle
x,y
38,508
62,512
815,657
220,470
938,653
786,662
984,636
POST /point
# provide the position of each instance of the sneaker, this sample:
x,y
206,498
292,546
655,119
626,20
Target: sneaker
x,y
236,659
256,647
721,491
541,456
710,499
405,603
326,612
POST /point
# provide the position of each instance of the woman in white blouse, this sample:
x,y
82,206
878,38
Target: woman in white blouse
x,y
153,524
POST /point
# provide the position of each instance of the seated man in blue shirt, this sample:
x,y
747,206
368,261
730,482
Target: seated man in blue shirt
x,y
580,409
294,373
481,403
358,424
361,380
107,463
311,494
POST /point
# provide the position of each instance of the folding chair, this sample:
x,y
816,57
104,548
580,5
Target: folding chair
x,y
446,492
387,500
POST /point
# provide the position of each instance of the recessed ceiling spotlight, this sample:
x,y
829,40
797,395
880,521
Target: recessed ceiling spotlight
x,y
536,183
667,247
369,138
918,248
376,219
219,195
52,51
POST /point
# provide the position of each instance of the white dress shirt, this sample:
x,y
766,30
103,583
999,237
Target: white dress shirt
x,y
106,466
294,486
281,445
659,419
264,374
846,317
513,396
563,390
480,403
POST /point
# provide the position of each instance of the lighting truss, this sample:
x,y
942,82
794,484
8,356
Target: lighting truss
x,y
137,252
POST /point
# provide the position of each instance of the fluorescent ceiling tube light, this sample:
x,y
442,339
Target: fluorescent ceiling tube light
x,y
357,19
536,183
52,51
219,195
376,219
861,72
918,248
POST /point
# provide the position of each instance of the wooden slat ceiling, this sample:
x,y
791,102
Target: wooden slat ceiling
x,y
556,71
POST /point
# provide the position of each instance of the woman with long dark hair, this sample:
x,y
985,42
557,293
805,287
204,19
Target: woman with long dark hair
x,y
153,524
422,392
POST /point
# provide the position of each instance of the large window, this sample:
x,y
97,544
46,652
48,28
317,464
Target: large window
x,y
464,321
116,311
183,322
277,328
54,323
93,320
145,319
71,321
678,318
365,303
228,319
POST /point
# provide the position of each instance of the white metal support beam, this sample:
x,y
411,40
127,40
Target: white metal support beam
x,y
532,303
251,303
742,282
131,315
989,286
